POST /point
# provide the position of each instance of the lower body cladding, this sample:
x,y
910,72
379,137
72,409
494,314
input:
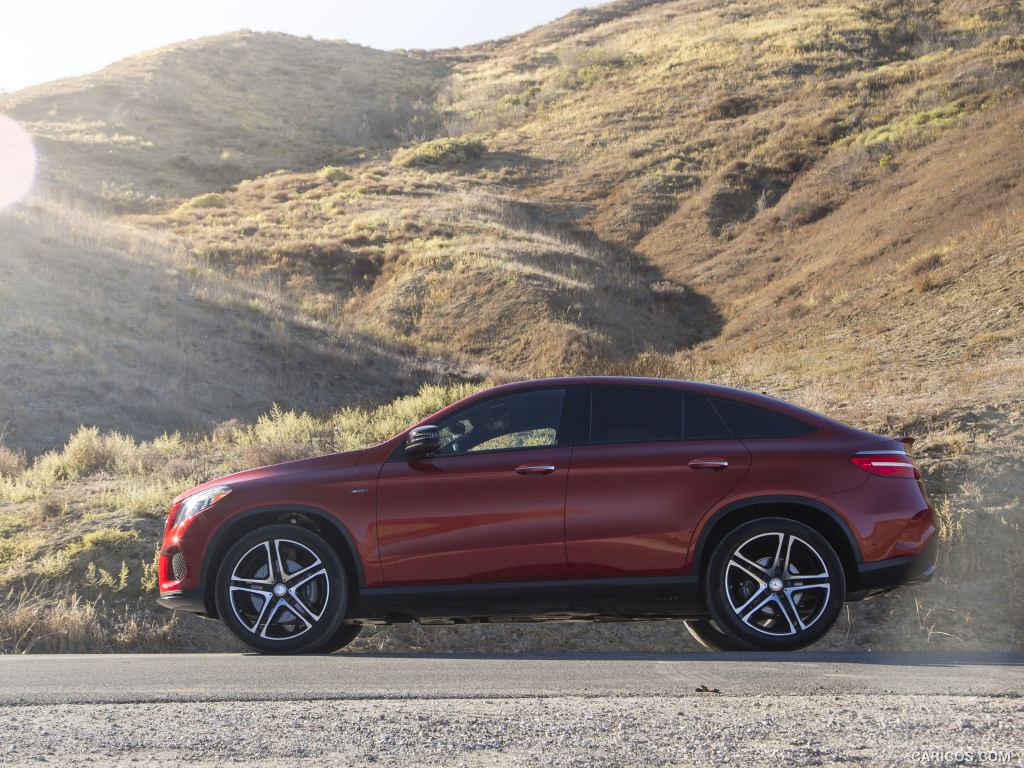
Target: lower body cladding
x,y
583,600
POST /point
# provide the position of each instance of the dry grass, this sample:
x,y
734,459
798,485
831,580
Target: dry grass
x,y
63,621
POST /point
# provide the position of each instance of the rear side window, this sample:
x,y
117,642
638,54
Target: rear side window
x,y
635,415
700,420
749,421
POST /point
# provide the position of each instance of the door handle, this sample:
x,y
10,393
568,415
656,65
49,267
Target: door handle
x,y
713,465
536,469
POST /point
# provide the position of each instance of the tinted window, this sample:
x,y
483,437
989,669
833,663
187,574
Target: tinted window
x,y
634,415
700,421
520,420
750,421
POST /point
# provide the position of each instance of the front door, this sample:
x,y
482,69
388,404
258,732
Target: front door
x,y
489,505
645,477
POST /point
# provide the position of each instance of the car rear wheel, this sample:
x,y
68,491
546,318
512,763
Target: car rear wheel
x,y
773,584
282,589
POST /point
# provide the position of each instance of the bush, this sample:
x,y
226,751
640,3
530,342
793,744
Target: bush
x,y
334,174
109,540
208,200
358,428
11,462
88,453
914,129
441,152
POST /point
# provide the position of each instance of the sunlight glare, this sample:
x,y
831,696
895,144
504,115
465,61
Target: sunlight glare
x,y
17,162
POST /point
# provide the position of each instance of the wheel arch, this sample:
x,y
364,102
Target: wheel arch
x,y
311,518
811,512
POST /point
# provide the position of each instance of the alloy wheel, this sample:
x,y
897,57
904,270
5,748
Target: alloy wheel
x,y
777,584
279,589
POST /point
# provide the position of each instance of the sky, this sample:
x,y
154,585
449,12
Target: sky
x,y
42,40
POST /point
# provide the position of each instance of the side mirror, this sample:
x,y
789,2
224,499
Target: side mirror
x,y
422,441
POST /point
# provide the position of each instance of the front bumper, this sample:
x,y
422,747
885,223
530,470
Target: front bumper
x,y
189,600
884,575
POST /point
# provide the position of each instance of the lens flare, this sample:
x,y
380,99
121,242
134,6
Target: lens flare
x,y
17,162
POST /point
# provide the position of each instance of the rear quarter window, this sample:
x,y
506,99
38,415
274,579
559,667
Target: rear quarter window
x,y
701,421
749,421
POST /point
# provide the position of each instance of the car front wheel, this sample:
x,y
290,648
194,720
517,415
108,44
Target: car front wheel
x,y
282,589
773,584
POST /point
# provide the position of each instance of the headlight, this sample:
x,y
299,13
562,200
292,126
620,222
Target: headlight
x,y
197,502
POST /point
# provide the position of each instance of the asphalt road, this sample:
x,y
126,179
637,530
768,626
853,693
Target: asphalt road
x,y
81,679
566,710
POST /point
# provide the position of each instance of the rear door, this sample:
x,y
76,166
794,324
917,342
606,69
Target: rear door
x,y
649,462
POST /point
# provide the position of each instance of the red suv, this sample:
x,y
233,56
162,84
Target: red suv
x,y
582,498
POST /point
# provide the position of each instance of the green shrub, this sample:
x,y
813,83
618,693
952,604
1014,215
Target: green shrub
x,y
148,498
915,128
88,452
11,462
358,428
207,200
281,427
441,152
108,540
334,174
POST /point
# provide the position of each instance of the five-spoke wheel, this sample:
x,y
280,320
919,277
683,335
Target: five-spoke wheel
x,y
773,584
283,589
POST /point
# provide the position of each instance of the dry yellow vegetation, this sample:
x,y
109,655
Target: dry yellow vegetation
x,y
820,200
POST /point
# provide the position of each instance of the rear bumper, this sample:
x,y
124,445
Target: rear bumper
x,y
189,600
884,575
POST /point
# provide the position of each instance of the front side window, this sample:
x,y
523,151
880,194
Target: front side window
x,y
635,415
520,420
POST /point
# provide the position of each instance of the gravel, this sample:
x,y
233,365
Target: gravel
x,y
704,729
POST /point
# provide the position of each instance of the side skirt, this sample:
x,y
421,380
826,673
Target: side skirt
x,y
662,597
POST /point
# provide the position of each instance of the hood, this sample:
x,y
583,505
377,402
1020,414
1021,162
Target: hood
x,y
330,461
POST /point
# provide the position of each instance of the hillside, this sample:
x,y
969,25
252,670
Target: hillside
x,y
206,113
819,200
436,261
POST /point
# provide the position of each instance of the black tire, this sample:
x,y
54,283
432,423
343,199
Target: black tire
x,y
282,589
773,585
710,636
344,636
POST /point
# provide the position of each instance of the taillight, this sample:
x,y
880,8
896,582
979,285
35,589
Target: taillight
x,y
886,463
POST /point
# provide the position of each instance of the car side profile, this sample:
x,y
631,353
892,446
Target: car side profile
x,y
573,498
